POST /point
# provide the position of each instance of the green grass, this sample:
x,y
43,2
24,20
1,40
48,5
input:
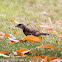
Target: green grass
x,y
30,13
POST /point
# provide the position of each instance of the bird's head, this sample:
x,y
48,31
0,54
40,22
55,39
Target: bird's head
x,y
20,25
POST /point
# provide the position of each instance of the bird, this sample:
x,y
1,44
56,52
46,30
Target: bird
x,y
30,31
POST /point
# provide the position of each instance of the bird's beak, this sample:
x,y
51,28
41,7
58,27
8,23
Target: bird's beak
x,y
16,26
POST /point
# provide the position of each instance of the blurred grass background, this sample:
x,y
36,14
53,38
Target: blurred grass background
x,y
31,13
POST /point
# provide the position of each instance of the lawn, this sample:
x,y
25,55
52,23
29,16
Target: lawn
x,y
32,13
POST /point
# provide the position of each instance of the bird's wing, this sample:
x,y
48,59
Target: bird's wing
x,y
35,32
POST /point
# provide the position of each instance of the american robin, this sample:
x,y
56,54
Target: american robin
x,y
30,31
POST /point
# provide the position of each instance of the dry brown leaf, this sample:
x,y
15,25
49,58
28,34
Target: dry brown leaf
x,y
32,38
56,42
46,46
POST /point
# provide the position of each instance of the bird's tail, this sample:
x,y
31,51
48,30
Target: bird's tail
x,y
44,34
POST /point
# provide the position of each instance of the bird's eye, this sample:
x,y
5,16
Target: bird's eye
x,y
19,24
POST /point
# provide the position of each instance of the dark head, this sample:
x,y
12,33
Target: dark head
x,y
20,25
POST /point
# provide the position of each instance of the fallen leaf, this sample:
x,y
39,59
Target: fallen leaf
x,y
48,29
52,58
56,42
60,32
21,52
56,60
60,35
14,32
46,46
36,59
4,52
15,53
3,55
48,58
2,34
21,40
7,35
45,59
12,40
32,38
38,28
27,56
44,56
12,37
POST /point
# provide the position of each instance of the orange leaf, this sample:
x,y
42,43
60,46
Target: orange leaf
x,y
56,42
7,35
45,59
44,56
60,32
22,50
52,58
14,32
4,52
60,35
46,46
21,54
48,58
48,29
38,28
35,58
27,56
21,40
32,38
